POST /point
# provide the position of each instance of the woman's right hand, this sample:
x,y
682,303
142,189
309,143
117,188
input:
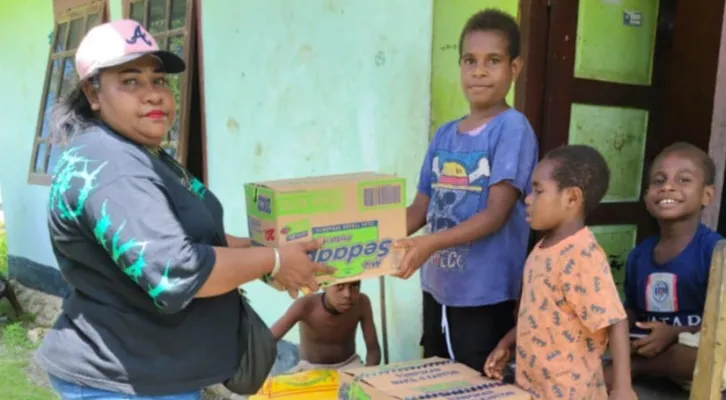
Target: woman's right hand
x,y
297,270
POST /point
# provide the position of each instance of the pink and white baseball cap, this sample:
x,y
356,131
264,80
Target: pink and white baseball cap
x,y
118,42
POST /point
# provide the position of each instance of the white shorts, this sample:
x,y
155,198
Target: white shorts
x,y
689,339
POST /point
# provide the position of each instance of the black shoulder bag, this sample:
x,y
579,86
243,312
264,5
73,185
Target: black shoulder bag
x,y
258,352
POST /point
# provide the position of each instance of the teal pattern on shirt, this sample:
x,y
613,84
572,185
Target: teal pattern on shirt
x,y
72,171
197,187
118,249
71,167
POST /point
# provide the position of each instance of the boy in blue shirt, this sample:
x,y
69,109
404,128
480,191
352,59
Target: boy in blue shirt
x,y
474,177
666,276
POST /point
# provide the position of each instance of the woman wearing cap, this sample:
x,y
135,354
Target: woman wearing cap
x,y
153,308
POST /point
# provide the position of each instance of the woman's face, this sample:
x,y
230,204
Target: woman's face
x,y
135,100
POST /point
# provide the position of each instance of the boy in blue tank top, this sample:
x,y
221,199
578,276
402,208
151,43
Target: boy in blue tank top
x,y
667,275
474,177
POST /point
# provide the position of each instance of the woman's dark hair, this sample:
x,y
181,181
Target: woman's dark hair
x,y
71,114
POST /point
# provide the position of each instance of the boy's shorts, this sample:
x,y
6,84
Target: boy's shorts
x,y
353,362
464,334
689,339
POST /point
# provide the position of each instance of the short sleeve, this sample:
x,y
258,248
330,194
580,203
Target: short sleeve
x,y
133,220
589,288
630,283
515,155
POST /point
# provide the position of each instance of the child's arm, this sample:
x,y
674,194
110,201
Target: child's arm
x,y
289,319
511,171
500,201
500,356
416,213
373,349
660,337
620,350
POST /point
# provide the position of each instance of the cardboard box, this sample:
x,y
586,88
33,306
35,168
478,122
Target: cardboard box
x,y
359,216
318,384
431,378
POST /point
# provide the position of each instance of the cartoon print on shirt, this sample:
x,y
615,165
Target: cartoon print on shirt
x,y
458,181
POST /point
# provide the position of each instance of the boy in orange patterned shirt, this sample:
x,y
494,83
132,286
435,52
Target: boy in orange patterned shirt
x,y
569,307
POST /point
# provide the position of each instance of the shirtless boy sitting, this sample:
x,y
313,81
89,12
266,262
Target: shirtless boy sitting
x,y
329,321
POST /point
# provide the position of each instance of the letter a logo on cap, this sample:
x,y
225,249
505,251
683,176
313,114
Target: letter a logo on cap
x,y
138,34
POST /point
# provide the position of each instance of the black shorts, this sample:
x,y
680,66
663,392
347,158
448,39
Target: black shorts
x,y
473,331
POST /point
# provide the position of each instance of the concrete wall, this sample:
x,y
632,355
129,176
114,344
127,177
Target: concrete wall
x,y
25,33
299,88
318,87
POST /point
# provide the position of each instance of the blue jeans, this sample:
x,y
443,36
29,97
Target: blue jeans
x,y
70,391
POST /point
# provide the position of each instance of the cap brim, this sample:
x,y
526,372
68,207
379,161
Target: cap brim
x,y
172,63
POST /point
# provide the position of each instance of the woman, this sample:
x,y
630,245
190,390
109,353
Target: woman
x,y
153,309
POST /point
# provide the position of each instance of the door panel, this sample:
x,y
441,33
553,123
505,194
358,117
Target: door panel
x,y
619,133
605,75
615,42
617,241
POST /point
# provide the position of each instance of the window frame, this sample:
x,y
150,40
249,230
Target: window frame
x,y
64,12
188,32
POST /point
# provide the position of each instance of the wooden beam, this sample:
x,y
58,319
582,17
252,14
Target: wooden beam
x,y
717,140
529,90
708,374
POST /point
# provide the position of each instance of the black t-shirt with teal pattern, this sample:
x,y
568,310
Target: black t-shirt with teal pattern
x,y
133,237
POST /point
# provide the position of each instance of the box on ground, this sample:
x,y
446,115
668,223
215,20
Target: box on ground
x,y
319,384
358,215
431,378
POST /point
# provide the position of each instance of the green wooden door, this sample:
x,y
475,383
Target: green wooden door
x,y
604,76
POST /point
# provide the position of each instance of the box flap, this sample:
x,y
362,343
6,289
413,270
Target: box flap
x,y
432,378
321,181
475,387
354,372
424,372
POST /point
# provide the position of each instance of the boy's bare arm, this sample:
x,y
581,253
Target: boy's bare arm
x,y
416,213
632,319
293,314
620,350
500,201
373,349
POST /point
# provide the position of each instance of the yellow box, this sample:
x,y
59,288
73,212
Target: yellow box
x,y
309,385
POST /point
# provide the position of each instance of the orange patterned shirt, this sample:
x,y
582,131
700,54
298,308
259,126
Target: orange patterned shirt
x,y
568,300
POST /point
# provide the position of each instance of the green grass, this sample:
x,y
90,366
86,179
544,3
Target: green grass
x,y
16,349
15,353
3,252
